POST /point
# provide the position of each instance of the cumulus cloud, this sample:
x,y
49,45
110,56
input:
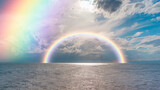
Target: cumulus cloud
x,y
108,5
126,8
84,46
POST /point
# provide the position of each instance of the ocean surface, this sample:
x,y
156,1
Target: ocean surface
x,y
109,76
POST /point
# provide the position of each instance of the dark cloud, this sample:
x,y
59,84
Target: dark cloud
x,y
108,5
154,42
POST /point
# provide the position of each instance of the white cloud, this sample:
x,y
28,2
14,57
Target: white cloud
x,y
76,19
155,19
153,8
128,29
139,44
137,34
158,18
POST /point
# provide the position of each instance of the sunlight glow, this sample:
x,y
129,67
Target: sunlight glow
x,y
89,64
87,5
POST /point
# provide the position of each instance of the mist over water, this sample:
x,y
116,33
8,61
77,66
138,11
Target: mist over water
x,y
107,76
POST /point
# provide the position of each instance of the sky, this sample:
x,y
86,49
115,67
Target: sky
x,y
29,28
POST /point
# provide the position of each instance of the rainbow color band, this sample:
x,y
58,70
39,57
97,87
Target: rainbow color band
x,y
59,41
20,19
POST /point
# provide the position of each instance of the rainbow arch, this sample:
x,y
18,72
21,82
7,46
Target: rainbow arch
x,y
51,49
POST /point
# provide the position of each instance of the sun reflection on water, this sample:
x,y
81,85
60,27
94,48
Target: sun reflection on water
x,y
89,64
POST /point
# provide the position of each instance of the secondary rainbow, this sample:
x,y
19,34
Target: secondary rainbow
x,y
60,40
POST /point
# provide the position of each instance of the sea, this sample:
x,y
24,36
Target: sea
x,y
80,76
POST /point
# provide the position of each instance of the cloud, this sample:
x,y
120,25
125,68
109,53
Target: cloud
x,y
134,55
158,18
153,8
155,43
155,19
141,48
75,21
85,46
108,5
137,34
139,5
125,30
148,44
103,20
127,8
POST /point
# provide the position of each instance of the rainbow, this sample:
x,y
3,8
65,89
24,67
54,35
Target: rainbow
x,y
21,19
59,41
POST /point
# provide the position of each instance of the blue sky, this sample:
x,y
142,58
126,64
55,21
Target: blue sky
x,y
133,25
